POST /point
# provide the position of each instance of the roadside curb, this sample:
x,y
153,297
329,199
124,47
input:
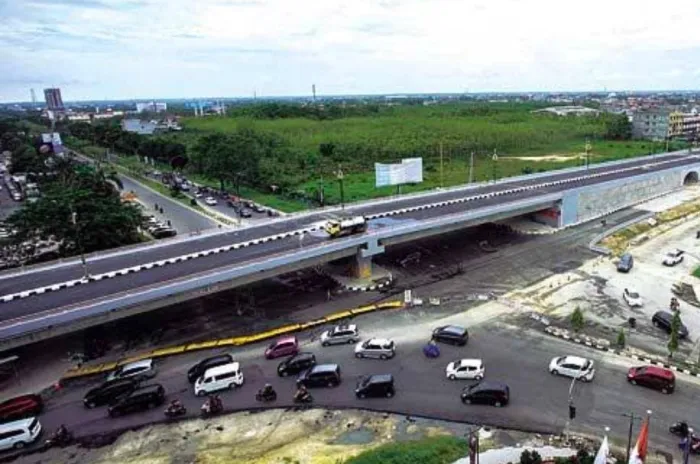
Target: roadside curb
x,y
583,340
371,287
234,341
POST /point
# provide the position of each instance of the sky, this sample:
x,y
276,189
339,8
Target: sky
x,y
137,49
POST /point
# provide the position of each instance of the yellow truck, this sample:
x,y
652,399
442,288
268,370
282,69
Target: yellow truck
x,y
342,227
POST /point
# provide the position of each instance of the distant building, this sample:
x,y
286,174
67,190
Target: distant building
x,y
684,125
54,102
651,124
151,107
139,127
569,110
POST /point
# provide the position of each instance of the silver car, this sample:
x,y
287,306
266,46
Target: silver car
x,y
139,370
379,348
340,334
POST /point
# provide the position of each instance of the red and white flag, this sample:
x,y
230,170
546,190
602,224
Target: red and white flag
x,y
639,453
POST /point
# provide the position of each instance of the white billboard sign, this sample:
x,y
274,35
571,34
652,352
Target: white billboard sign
x,y
409,171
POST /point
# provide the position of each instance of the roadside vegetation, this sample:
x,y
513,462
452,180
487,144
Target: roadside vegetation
x,y
289,156
431,450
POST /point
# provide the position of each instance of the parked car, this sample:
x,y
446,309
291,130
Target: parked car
x,y
380,348
626,262
377,385
20,433
109,392
198,369
321,375
139,370
573,366
245,213
284,346
673,257
21,407
494,393
198,195
657,378
211,201
471,369
452,334
258,208
146,397
632,298
164,233
219,378
664,320
295,364
340,334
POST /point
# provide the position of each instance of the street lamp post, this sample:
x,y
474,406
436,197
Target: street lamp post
x,y
588,153
340,176
494,158
78,234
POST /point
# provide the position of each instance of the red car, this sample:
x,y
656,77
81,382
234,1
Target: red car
x,y
655,377
20,407
285,346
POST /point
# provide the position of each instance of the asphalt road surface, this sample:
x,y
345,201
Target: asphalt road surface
x,y
184,220
20,282
539,401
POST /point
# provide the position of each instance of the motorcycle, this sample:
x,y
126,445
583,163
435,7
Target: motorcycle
x,y
303,399
60,440
431,350
265,398
171,412
679,428
209,409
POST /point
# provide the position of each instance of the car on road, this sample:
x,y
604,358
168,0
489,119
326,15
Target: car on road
x,y
655,377
340,334
376,385
217,378
625,263
632,298
198,369
452,334
245,213
295,364
283,346
573,366
141,399
211,201
664,320
198,195
109,392
21,407
380,348
493,393
321,375
471,369
673,257
20,433
258,208
164,232
139,370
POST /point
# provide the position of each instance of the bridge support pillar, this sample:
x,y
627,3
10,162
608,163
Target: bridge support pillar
x,y
362,267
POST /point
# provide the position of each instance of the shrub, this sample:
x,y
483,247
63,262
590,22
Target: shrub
x,y
432,450
621,338
530,457
577,319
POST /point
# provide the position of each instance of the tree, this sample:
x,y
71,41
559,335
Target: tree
x,y
675,327
621,338
26,159
530,457
617,127
577,319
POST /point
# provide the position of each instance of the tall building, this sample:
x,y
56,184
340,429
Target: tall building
x,y
54,102
151,107
651,124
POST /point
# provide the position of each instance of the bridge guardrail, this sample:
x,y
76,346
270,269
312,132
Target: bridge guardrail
x,y
233,341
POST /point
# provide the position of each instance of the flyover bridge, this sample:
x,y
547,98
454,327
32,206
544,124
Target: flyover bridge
x,y
48,300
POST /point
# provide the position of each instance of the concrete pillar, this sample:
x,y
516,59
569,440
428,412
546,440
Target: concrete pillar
x,y
362,267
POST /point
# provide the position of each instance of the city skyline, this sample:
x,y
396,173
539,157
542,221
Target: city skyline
x,y
274,48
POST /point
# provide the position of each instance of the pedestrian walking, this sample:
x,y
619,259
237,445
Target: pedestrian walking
x,y
169,224
156,206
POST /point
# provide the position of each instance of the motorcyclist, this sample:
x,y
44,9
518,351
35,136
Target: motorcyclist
x,y
217,405
61,434
302,393
267,391
175,406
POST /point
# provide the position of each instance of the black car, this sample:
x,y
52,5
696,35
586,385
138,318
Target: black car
x,y
109,392
142,398
452,334
321,375
626,262
663,319
295,364
198,369
494,393
375,385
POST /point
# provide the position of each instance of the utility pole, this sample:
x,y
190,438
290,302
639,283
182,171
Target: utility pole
x,y
78,232
494,158
588,153
471,168
340,176
632,417
441,166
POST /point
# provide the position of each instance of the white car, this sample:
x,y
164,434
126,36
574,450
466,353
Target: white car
x,y
198,195
632,298
673,257
211,201
573,366
472,369
380,348
139,370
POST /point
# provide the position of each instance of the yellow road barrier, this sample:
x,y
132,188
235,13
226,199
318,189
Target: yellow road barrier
x,y
233,341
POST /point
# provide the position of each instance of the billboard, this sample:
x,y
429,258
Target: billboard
x,y
409,171
51,144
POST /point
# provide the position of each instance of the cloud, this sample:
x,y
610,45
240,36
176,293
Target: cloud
x,y
180,48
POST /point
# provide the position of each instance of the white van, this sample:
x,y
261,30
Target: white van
x,y
219,378
19,434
